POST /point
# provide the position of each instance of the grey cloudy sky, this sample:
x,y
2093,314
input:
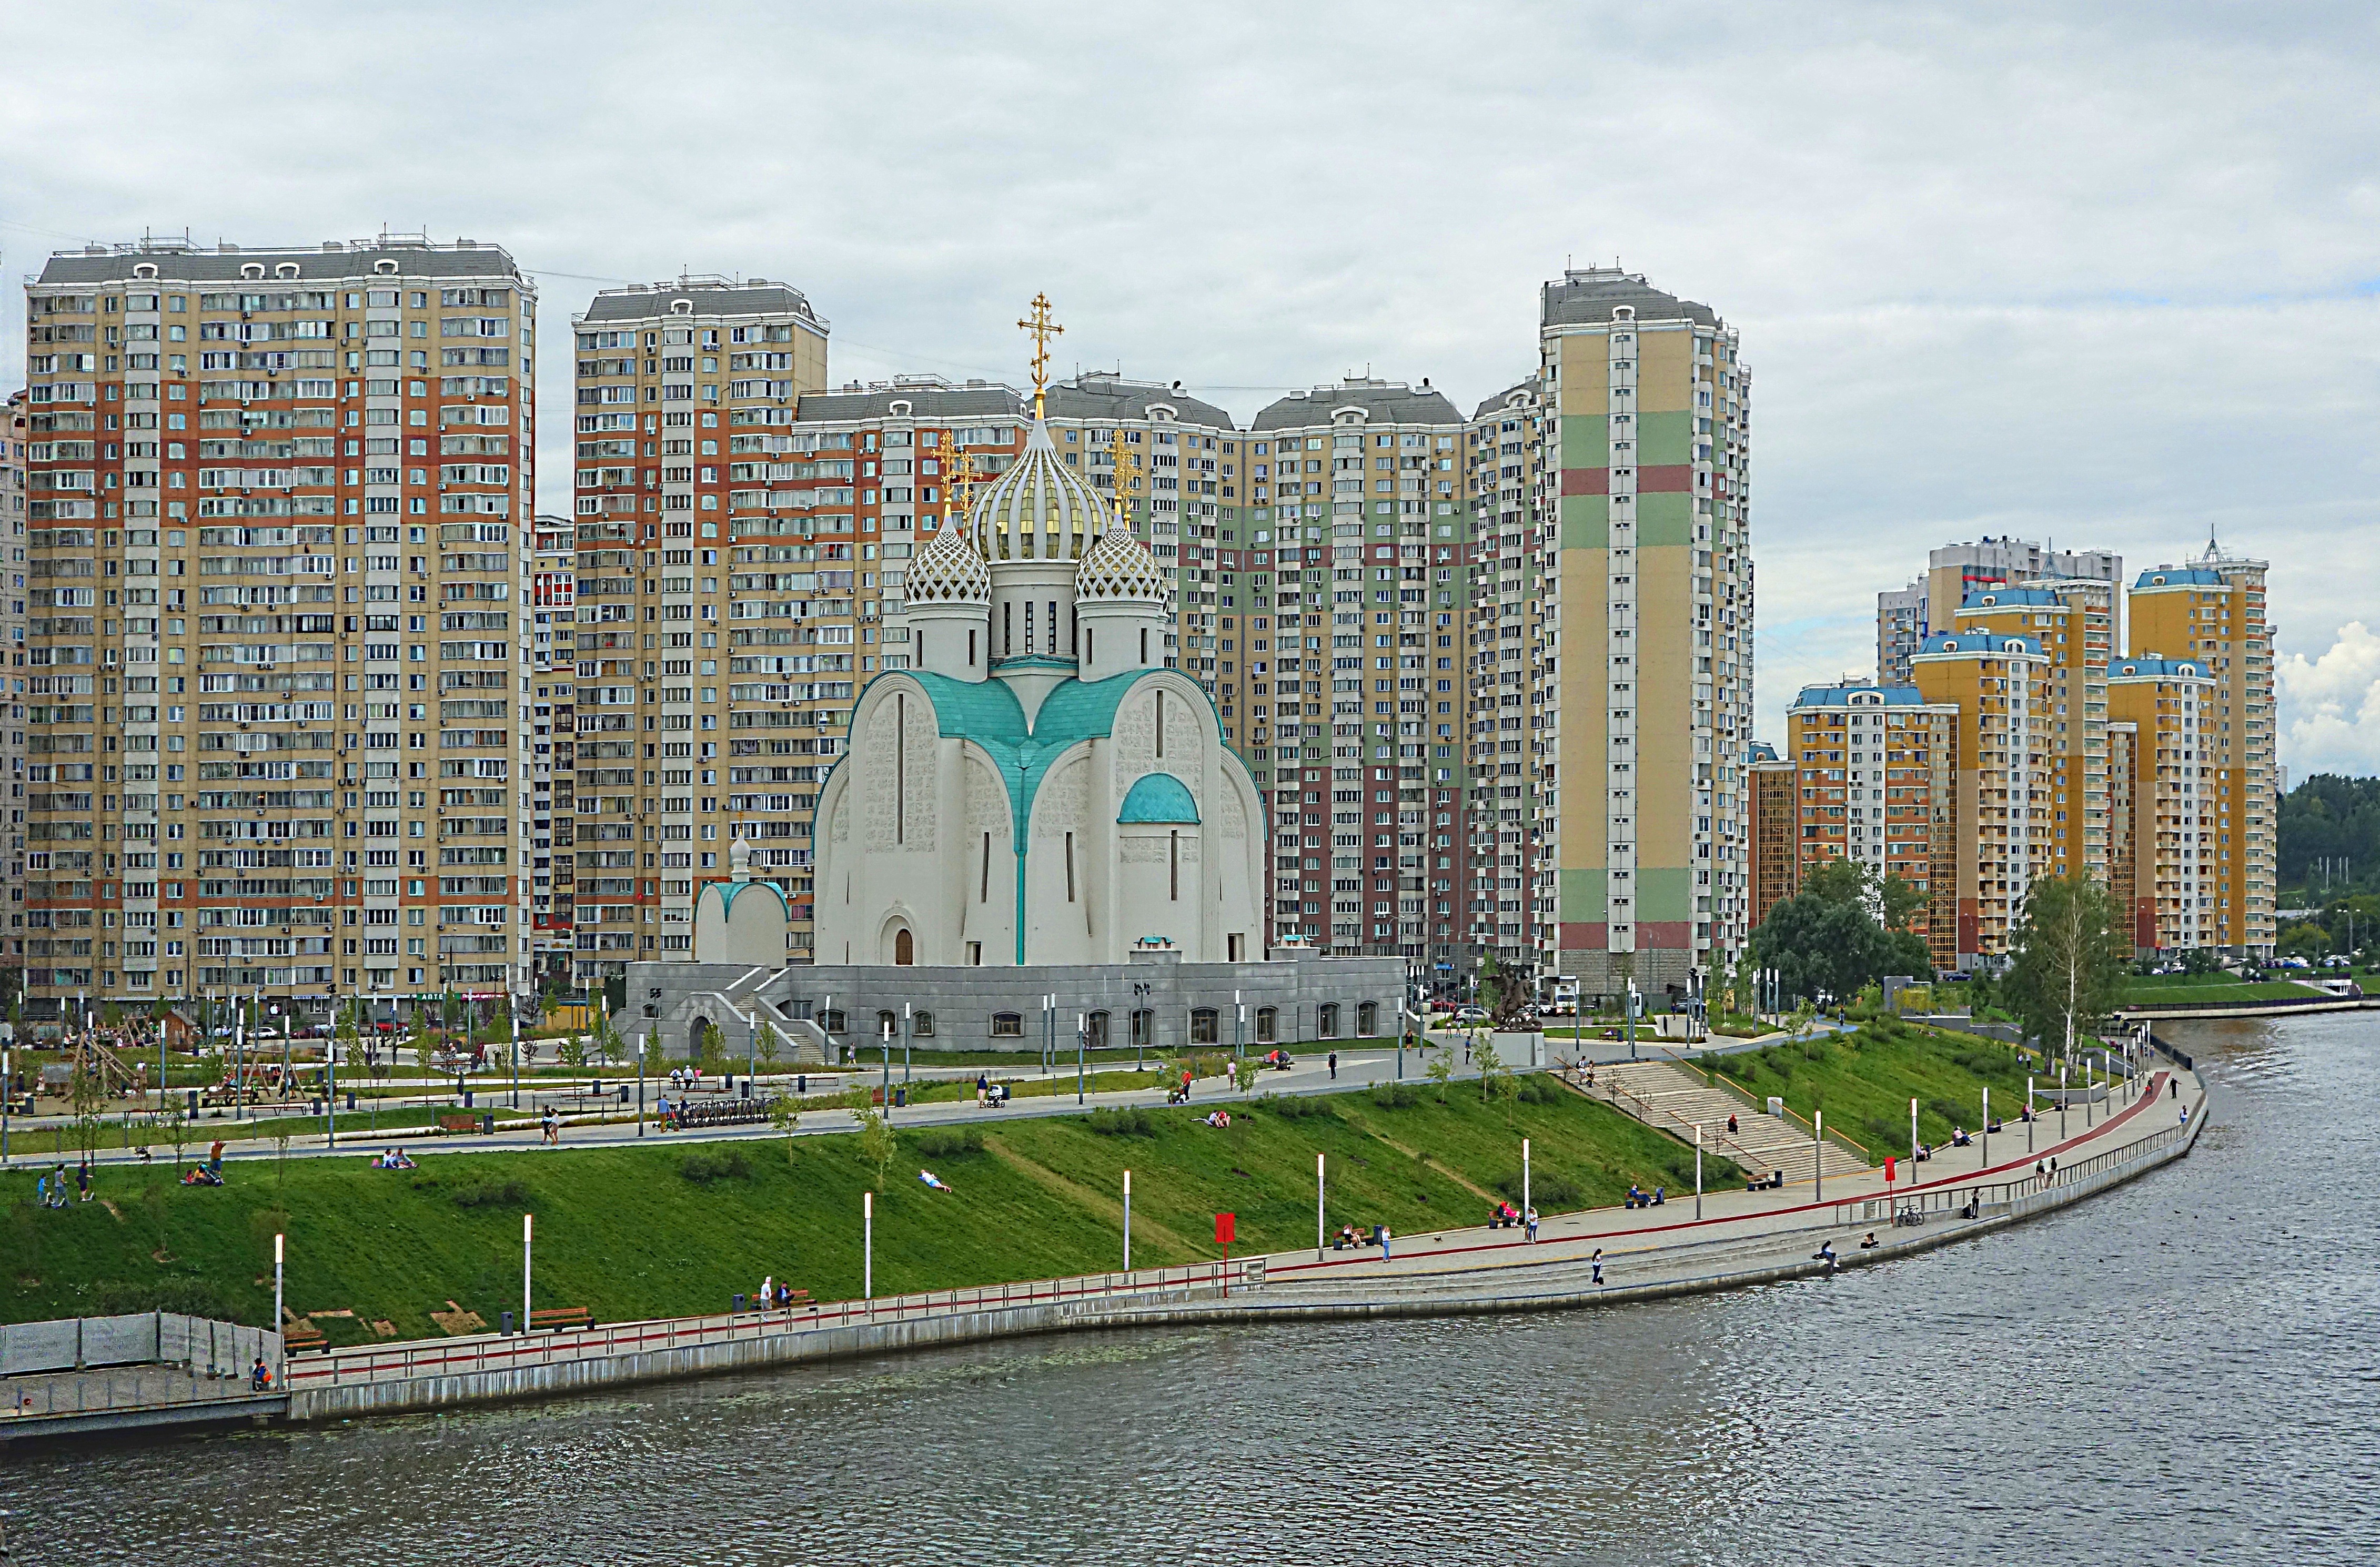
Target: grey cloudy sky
x,y
2107,276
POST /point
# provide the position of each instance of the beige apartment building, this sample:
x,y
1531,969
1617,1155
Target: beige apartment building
x,y
2172,871
275,658
1999,793
2212,611
1647,646
16,425
2074,620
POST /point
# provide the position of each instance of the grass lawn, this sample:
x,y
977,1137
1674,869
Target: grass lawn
x,y
1864,1080
637,1231
2211,988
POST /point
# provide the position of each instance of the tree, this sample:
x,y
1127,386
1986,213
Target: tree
x,y
767,1045
1491,1069
1820,943
2073,949
876,1143
177,1132
714,1050
784,1113
1441,1069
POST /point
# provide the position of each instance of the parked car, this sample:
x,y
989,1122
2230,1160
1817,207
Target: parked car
x,y
1470,1016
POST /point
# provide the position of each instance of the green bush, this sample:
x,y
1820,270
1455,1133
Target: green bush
x,y
1128,1120
949,1142
1395,1096
493,1193
1538,1088
703,1167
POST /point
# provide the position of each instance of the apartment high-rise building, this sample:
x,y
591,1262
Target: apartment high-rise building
x,y
1648,634
1875,772
2172,870
549,712
1505,910
2074,620
1900,628
1369,515
2212,611
689,476
1999,795
15,424
275,650
1772,796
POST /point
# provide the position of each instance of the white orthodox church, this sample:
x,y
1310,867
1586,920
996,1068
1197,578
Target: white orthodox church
x,y
1038,788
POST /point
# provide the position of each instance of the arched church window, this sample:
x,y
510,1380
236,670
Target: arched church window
x,y
904,949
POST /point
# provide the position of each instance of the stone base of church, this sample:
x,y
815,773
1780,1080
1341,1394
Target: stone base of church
x,y
973,1009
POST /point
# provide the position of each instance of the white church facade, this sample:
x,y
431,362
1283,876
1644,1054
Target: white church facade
x,y
1035,807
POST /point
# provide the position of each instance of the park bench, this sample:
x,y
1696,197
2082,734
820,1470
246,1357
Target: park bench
x,y
557,1318
462,1123
303,1335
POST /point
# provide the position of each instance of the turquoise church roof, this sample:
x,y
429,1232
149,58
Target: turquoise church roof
x,y
1158,797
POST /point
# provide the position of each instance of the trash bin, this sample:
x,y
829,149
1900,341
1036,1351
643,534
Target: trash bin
x,y
901,1096
351,1099
194,1102
487,1123
748,1088
507,1328
801,1082
466,1099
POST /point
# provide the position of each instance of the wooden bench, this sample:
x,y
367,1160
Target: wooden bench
x,y
557,1318
795,1299
303,1335
458,1123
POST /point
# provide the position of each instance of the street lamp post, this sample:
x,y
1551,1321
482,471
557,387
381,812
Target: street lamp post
x,y
641,1044
1082,1053
908,1037
1320,1223
887,1042
1698,1170
526,1219
1127,1221
1239,1036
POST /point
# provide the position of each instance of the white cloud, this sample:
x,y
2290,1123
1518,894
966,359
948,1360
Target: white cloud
x,y
2330,706
2105,273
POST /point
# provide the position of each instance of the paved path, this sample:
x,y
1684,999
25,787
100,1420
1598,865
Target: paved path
x,y
1358,1068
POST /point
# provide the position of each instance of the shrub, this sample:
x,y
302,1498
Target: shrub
x,y
1290,1107
702,1166
949,1142
1128,1120
493,1193
1395,1096
1538,1088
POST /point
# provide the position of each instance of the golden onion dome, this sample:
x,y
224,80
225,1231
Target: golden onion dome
x,y
1040,508
950,570
1118,569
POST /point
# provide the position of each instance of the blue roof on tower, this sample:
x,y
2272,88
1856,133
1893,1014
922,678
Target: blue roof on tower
x,y
2177,577
1977,642
1871,695
2010,598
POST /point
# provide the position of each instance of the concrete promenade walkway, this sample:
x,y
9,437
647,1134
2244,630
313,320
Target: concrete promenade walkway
x,y
1740,1239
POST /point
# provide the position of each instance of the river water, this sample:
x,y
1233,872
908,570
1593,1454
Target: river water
x,y
2181,1370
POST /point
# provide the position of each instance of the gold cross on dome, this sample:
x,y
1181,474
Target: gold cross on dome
x,y
1041,328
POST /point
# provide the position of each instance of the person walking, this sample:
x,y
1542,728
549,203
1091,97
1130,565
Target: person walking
x,y
82,1180
1334,1067
1384,1243
982,1087
1186,1084
1596,1262
1532,1222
